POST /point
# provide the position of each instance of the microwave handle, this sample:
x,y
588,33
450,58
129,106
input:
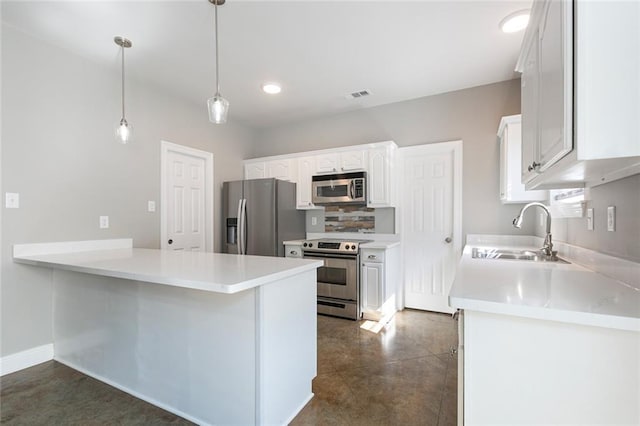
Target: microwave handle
x,y
352,186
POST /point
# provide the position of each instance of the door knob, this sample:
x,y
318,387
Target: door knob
x,y
170,241
448,240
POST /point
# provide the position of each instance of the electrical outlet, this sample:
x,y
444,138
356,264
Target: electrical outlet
x,y
104,222
611,218
12,200
589,219
151,206
314,220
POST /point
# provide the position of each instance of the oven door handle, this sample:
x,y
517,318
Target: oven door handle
x,y
329,256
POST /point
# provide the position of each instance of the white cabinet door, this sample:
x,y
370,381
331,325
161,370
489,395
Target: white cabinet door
x,y
529,108
353,160
555,58
372,286
255,170
379,178
306,169
327,163
511,189
281,169
293,250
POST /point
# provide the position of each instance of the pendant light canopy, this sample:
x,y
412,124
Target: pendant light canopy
x,y
217,105
124,130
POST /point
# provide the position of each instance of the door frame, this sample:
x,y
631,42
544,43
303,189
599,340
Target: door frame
x,y
165,148
434,148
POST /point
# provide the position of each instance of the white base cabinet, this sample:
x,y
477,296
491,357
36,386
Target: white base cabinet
x,y
529,371
379,281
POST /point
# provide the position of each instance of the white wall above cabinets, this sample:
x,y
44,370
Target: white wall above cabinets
x,y
377,159
511,188
591,135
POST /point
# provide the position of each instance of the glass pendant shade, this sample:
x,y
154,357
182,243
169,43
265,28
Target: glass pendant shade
x,y
124,132
218,109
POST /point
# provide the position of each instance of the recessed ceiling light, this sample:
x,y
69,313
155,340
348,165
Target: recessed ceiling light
x,y
515,21
271,88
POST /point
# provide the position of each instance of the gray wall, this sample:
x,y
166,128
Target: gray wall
x,y
472,115
58,117
624,242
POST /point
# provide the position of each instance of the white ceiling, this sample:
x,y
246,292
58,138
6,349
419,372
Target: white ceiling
x,y
318,50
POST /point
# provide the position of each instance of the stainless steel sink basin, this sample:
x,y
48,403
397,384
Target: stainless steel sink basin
x,y
502,254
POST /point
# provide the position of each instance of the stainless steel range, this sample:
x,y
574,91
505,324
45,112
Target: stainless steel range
x,y
339,278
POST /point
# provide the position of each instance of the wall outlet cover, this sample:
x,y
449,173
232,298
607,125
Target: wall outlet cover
x,y
314,220
611,218
589,219
151,206
104,222
12,200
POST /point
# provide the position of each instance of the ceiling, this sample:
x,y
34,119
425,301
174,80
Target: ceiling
x,y
319,51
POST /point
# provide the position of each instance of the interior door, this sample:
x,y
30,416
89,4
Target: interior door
x,y
185,202
430,223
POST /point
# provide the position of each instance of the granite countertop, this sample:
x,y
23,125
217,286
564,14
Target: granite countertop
x,y
544,290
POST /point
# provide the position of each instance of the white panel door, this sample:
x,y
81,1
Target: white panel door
x,y
379,178
185,202
430,223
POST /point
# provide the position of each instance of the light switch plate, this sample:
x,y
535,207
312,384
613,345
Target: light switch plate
x,y
151,206
611,218
314,220
12,200
589,219
104,222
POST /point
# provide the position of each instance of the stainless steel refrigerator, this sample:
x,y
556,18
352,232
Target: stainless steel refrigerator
x,y
260,214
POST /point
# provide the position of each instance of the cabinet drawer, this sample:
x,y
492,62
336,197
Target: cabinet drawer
x,y
372,255
293,250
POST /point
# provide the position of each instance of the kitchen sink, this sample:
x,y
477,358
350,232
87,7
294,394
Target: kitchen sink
x,y
504,254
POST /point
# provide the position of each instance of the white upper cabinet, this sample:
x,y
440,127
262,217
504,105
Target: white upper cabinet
x,y
306,169
379,177
284,169
337,162
590,136
511,188
255,170
377,159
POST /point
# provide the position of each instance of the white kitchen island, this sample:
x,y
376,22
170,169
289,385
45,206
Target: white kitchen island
x,y
215,338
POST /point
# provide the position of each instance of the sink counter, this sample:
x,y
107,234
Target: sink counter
x,y
544,290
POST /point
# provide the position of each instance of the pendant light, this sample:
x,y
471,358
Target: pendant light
x,y
217,105
124,130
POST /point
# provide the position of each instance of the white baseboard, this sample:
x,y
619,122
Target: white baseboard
x,y
296,412
25,359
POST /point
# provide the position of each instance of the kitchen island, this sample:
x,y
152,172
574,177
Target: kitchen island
x,y
546,342
214,338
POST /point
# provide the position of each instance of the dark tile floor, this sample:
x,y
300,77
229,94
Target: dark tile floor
x,y
401,375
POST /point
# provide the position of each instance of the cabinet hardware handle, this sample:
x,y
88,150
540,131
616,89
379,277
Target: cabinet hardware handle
x,y
293,252
533,166
448,240
170,241
453,351
372,256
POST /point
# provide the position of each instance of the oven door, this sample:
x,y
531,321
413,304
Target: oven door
x,y
338,277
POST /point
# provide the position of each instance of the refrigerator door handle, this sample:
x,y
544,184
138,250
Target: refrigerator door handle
x,y
244,226
240,226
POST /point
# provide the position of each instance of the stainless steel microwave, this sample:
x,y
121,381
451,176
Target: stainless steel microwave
x,y
344,188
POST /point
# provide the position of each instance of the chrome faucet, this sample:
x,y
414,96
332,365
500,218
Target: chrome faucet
x,y
547,247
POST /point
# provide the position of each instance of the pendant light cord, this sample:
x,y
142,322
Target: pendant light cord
x,y
216,28
122,49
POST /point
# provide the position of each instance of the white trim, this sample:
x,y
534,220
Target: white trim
x,y
299,409
165,147
37,249
133,393
25,359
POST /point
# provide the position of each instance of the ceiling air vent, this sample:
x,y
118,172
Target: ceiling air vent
x,y
358,94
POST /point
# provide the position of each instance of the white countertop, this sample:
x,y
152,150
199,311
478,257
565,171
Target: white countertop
x,y
551,291
384,245
215,272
